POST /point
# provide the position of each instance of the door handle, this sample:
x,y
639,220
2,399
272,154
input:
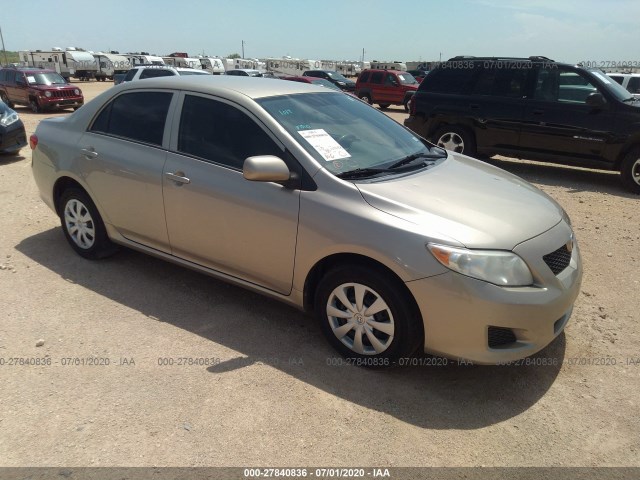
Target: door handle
x,y
474,106
177,177
89,152
537,111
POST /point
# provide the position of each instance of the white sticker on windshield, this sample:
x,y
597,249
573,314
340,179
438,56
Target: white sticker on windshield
x,y
31,79
324,144
602,77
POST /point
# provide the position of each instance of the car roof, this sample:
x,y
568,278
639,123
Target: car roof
x,y
251,87
29,69
384,70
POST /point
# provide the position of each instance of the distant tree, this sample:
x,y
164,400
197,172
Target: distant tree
x,y
234,55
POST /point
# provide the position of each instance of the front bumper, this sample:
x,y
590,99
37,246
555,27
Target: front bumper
x,y
13,137
461,314
51,103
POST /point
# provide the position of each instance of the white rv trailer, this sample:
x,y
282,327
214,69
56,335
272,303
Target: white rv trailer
x,y
241,64
110,64
389,65
143,59
212,65
183,62
291,66
68,63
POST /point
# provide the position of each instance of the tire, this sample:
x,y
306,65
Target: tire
x,y
5,99
456,139
82,225
398,331
405,104
630,171
384,106
35,106
366,97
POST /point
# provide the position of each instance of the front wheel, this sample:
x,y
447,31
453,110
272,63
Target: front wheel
x,y
368,315
630,171
384,106
455,139
35,106
82,225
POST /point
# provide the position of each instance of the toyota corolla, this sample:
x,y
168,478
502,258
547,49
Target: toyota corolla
x,y
315,198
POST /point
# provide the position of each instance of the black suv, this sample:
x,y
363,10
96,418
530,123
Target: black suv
x,y
532,108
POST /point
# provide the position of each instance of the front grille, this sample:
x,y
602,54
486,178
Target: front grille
x,y
63,93
499,336
559,260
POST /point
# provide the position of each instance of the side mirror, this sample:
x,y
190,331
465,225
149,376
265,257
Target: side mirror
x,y
596,100
265,168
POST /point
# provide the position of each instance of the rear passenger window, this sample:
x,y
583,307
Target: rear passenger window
x,y
155,72
221,133
376,77
136,116
364,77
448,80
502,82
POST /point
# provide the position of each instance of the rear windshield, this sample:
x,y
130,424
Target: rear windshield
x,y
45,79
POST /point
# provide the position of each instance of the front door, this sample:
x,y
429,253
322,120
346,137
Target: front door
x,y
215,217
558,120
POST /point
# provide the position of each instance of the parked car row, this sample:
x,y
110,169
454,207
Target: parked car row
x,y
531,108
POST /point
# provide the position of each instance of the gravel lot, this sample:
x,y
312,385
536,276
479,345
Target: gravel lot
x,y
268,397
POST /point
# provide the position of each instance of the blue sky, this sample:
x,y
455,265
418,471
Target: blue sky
x,y
565,30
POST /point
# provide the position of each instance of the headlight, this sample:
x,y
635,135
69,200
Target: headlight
x,y
47,94
8,118
501,268
342,84
76,91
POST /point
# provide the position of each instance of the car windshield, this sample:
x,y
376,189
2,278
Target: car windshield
x,y
337,76
341,132
407,79
325,83
45,79
611,85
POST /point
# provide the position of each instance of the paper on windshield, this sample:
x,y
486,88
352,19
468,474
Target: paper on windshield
x,y
31,79
324,144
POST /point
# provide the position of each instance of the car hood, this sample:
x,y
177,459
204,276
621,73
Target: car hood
x,y
474,203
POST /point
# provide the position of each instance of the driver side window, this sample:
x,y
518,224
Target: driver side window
x,y
563,85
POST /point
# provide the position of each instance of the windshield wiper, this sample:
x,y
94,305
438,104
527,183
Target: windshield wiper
x,y
417,156
361,172
394,167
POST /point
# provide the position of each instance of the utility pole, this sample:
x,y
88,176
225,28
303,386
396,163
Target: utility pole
x,y
3,50
242,48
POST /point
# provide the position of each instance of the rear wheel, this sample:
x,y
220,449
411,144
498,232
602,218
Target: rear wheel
x,y
367,315
455,139
367,98
5,99
630,171
82,225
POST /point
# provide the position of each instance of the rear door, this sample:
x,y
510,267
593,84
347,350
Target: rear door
x,y
122,156
558,121
496,106
215,217
376,84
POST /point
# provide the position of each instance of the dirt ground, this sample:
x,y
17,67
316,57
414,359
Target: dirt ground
x,y
201,373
